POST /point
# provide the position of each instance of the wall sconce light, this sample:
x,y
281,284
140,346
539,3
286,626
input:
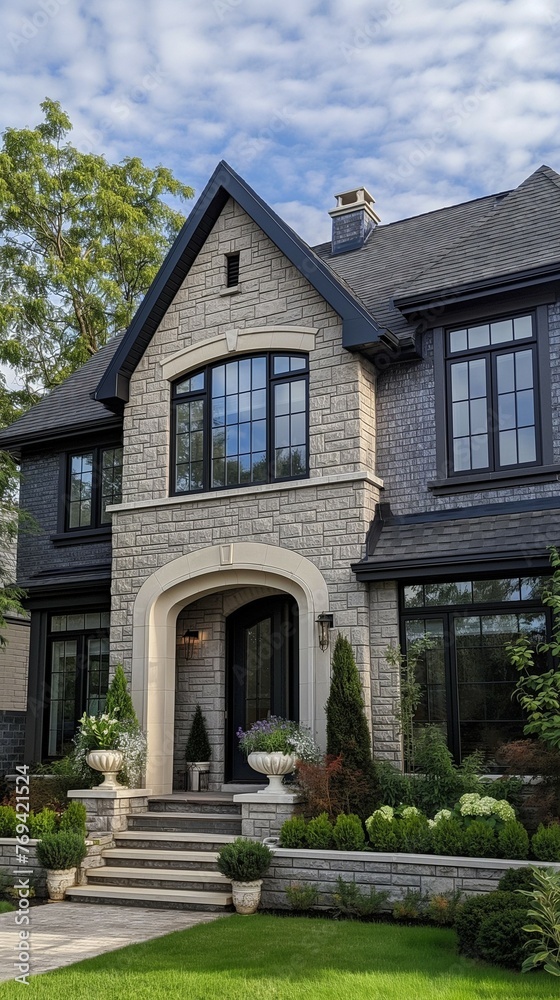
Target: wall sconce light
x,y
324,622
190,638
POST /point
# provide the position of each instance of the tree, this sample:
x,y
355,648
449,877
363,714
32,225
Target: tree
x,y
81,241
198,745
347,726
119,702
10,519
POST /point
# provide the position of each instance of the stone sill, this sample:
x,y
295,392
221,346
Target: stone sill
x,y
438,860
280,798
109,793
12,841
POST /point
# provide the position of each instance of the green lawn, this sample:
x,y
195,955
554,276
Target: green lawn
x,y
263,957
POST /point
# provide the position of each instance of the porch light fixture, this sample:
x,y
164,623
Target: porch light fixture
x,y
190,637
325,623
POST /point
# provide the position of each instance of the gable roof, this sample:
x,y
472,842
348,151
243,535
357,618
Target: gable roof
x,y
358,325
69,408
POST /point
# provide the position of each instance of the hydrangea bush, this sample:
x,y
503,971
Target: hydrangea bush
x,y
277,735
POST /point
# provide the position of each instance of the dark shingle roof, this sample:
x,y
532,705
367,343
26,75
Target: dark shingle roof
x,y
67,408
464,540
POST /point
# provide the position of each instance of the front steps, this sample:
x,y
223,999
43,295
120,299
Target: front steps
x,y
167,857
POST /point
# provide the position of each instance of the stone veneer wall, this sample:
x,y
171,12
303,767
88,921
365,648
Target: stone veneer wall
x,y
12,740
394,873
9,862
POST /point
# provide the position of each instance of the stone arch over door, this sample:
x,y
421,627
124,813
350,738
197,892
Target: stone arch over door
x,y
186,579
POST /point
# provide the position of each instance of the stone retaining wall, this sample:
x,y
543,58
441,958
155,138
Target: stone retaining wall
x,y
9,861
394,873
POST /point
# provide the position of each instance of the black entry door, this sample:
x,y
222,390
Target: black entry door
x,y
262,646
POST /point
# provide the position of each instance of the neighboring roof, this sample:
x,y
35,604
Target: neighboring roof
x,y
67,409
358,325
453,543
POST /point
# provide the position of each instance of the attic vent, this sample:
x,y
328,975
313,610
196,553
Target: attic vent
x,y
232,272
352,220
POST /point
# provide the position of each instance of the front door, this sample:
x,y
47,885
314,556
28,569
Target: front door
x,y
262,646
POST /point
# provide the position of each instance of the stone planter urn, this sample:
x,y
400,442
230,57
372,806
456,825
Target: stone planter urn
x,y
197,775
109,762
275,766
58,881
246,896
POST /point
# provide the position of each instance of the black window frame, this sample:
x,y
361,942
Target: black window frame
x,y
447,612
205,394
96,523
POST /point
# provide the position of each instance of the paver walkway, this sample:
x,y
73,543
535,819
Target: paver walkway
x,y
64,933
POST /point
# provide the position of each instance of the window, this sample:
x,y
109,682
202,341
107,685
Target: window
x,y
94,483
492,396
241,422
466,678
77,674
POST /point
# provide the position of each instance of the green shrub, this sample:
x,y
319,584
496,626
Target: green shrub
x,y
118,703
74,818
545,843
414,835
501,938
293,833
6,907
517,878
348,833
244,860
471,913
480,840
302,897
513,841
8,821
448,837
319,833
395,788
59,851
381,833
544,912
198,745
42,823
412,906
350,901
442,908
440,782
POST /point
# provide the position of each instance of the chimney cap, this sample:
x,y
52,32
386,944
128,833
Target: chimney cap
x,y
354,200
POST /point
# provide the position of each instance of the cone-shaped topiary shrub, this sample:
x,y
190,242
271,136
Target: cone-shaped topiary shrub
x,y
198,745
119,703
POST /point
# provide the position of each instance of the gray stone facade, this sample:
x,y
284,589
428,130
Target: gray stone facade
x,y
12,740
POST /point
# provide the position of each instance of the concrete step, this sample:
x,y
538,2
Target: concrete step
x,y
206,803
210,823
164,840
196,881
170,899
183,860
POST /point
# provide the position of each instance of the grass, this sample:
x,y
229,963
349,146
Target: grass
x,y
274,958
6,907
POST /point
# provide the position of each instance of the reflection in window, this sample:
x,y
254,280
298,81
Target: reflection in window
x,y
95,482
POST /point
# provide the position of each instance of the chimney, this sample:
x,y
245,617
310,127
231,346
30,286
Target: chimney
x,y
352,220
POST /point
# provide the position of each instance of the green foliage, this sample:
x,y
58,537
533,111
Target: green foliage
x,y
42,823
293,833
244,860
12,519
440,782
544,910
6,907
414,835
412,906
198,745
8,821
501,938
319,833
448,837
347,728
119,703
539,691
59,851
480,840
81,240
411,690
471,913
517,878
74,818
350,901
302,898
545,843
395,788
348,833
381,832
513,841
442,908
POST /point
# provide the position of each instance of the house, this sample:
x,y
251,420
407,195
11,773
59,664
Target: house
x,y
363,435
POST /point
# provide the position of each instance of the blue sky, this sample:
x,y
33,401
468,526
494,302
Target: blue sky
x,y
426,103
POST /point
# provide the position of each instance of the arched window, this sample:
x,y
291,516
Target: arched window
x,y
241,422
